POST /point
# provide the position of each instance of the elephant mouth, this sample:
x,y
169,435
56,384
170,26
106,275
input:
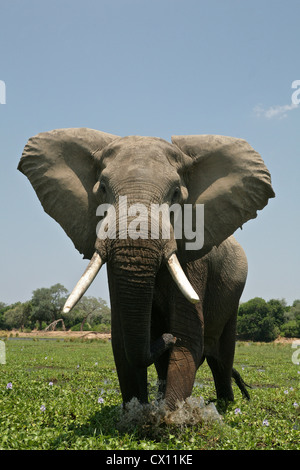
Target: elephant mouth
x,y
96,263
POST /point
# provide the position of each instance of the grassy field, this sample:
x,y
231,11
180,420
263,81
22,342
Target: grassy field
x,y
57,394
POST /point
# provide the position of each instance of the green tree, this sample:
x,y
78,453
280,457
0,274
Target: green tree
x,y
92,309
291,327
18,315
258,320
277,309
3,308
47,303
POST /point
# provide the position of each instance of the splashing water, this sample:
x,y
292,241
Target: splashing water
x,y
192,411
189,412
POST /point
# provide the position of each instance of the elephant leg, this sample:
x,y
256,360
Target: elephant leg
x,y
187,354
221,363
222,378
161,365
181,375
159,324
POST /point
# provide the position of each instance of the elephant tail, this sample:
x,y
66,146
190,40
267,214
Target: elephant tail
x,y
240,383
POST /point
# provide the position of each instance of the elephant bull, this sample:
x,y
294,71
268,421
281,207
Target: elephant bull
x,y
174,301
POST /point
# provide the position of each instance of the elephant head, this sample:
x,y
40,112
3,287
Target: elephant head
x,y
80,174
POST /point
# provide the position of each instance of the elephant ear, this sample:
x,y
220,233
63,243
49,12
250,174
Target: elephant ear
x,y
230,178
60,166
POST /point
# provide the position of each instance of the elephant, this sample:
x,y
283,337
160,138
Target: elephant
x,y
174,302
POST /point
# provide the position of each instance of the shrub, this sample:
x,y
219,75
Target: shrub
x,y
77,327
291,329
258,320
102,328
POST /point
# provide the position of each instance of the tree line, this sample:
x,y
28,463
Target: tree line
x,y
258,319
45,308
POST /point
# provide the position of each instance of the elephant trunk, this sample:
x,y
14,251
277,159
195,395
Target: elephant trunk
x,y
131,274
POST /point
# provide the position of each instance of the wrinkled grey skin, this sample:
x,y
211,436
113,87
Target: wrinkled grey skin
x,y
74,170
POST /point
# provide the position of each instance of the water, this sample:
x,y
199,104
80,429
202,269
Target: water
x,y
14,338
189,412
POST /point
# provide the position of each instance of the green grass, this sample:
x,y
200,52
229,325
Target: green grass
x,y
65,395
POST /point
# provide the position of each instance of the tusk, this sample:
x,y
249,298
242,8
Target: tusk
x,y
84,282
181,280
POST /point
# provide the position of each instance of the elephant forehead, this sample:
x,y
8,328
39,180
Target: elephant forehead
x,y
140,167
138,151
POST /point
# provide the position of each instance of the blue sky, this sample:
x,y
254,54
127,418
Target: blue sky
x,y
158,68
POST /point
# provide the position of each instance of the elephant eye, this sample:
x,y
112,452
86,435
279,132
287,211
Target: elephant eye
x,y
102,188
176,195
99,190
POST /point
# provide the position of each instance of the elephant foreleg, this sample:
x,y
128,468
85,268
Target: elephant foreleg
x,y
180,377
161,365
186,321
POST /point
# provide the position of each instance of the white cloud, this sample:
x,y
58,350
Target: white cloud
x,y
278,111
